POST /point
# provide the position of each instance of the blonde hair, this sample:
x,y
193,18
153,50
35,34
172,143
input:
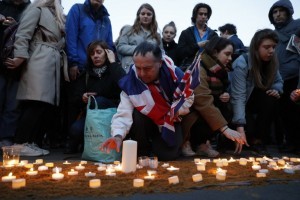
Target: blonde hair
x,y
57,8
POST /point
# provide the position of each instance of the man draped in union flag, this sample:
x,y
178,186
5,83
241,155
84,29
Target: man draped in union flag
x,y
155,94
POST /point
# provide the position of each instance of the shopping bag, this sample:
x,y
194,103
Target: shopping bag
x,y
96,131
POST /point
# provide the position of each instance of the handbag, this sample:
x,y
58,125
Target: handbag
x,y
96,131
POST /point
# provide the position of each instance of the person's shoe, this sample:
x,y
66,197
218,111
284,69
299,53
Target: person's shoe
x,y
187,150
207,150
44,151
28,150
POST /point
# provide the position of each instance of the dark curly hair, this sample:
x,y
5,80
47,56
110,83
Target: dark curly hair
x,y
197,7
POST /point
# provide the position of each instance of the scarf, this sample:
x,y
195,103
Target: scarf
x,y
161,101
217,76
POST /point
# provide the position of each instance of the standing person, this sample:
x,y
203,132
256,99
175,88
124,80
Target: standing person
x,y
101,81
211,113
10,13
85,23
170,46
281,16
144,112
229,31
194,38
256,86
144,29
39,43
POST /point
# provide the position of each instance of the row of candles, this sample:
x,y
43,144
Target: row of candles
x,y
110,170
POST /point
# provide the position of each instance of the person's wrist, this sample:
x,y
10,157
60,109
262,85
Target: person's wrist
x,y
223,129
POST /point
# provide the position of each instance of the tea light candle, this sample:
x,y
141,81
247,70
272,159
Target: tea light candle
x,y
231,160
260,175
57,175
221,175
31,172
243,161
251,159
23,162
72,172
281,162
83,162
66,163
295,159
8,178
172,169
95,183
150,175
80,167
138,182
272,163
39,161
200,166
197,177
90,174
263,161
256,167
165,165
18,183
101,168
59,169
197,160
153,162
110,174
49,164
42,168
225,162
263,171
28,165
118,168
173,180
219,163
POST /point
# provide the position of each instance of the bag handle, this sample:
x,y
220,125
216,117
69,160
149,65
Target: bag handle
x,y
89,102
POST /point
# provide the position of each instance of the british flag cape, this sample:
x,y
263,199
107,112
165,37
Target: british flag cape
x,y
177,87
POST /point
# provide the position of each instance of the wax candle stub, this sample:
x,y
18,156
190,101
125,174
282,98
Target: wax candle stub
x,y
95,183
138,183
197,177
173,180
72,172
18,183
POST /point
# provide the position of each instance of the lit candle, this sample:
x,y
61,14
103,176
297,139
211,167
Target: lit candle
x,y
288,169
39,161
219,163
23,162
263,171
72,172
173,169
129,155
110,171
197,160
79,167
8,178
272,163
28,165
201,166
83,162
295,159
138,182
165,165
281,162
31,172
225,162
59,169
18,183
173,180
221,174
243,161
66,163
251,159
197,177
256,167
118,167
101,168
95,183
260,175
57,175
90,174
231,160
42,168
150,175
50,164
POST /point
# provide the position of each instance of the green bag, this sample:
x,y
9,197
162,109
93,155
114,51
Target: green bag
x,y
96,131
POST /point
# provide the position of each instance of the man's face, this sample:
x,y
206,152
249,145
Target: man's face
x,y
279,15
147,67
96,3
202,16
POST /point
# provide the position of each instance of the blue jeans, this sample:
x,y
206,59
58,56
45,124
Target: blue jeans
x,y
77,128
9,113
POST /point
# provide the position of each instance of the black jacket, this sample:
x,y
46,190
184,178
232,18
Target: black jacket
x,y
171,50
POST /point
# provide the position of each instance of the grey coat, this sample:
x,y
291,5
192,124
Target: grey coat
x,y
40,41
128,42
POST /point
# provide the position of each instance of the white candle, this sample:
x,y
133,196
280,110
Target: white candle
x,y
225,162
18,183
219,163
243,161
118,167
90,174
221,176
165,165
31,172
39,161
281,162
50,164
260,175
256,167
59,169
138,182
197,160
95,183
173,169
66,163
101,168
129,155
231,160
57,175
150,175
8,178
42,168
110,174
288,169
173,180
28,165
201,166
23,162
263,171
72,172
197,177
83,162
295,159
79,167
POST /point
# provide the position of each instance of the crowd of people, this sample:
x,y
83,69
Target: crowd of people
x,y
238,97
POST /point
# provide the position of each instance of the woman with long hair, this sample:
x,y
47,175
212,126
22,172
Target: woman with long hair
x,y
256,86
38,45
144,29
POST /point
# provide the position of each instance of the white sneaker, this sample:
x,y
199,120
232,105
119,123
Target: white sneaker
x,y
44,151
207,150
29,150
187,149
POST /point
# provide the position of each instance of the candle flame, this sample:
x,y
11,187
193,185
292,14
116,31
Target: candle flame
x,y
72,170
56,170
10,174
31,169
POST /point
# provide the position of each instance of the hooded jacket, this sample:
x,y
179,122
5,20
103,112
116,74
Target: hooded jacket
x,y
83,25
289,62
